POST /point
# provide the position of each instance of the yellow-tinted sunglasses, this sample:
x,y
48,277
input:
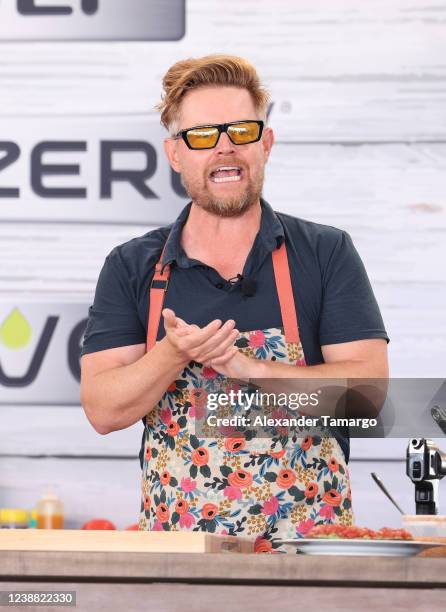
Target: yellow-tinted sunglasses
x,y
207,136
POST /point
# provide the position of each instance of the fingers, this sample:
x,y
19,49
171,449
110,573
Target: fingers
x,y
181,322
220,347
199,336
218,338
186,329
219,361
217,344
200,344
172,322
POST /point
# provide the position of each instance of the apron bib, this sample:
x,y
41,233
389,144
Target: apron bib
x,y
261,488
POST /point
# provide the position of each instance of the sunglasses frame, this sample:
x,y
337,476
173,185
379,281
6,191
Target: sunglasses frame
x,y
222,127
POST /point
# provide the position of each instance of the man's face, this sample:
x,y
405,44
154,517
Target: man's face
x,y
214,192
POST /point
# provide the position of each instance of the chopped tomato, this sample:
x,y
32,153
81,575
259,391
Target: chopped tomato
x,y
353,532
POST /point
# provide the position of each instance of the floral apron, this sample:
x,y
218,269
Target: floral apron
x,y
263,489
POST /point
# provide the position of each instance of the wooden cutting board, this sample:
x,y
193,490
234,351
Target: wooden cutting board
x,y
121,541
438,551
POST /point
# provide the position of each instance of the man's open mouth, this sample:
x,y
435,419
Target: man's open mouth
x,y
226,174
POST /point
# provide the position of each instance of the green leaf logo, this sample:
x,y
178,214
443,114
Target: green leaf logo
x,y
15,331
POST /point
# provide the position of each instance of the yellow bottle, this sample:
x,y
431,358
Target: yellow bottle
x,y
13,518
50,514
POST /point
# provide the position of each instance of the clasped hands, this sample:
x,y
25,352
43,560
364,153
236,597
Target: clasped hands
x,y
212,345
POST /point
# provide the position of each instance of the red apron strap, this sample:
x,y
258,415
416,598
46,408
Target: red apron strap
x,y
158,288
285,293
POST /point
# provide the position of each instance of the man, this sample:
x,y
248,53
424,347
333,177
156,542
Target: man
x,y
246,294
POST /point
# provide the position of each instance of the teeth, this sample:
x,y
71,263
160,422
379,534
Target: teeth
x,y
226,179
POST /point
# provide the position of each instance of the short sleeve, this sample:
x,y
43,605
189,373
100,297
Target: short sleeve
x,y
349,309
113,319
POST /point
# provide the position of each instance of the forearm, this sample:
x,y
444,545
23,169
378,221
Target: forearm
x,y
366,383
119,397
263,368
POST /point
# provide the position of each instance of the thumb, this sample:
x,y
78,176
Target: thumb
x,y
170,320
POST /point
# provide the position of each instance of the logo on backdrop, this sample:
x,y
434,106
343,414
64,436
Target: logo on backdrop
x,y
149,20
40,346
29,7
79,169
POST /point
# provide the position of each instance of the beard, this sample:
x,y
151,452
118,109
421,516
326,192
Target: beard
x,y
225,206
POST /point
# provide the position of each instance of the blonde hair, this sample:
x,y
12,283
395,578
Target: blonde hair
x,y
210,70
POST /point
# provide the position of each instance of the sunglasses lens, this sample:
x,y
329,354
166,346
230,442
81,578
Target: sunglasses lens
x,y
202,138
243,133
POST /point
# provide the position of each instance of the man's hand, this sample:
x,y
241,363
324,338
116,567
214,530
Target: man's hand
x,y
237,366
203,345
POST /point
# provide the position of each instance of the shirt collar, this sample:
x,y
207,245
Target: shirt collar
x,y
173,251
271,234
271,230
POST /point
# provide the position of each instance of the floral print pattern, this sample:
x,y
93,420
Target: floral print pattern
x,y
264,489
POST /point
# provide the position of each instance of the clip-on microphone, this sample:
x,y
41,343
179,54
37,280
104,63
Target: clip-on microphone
x,y
248,286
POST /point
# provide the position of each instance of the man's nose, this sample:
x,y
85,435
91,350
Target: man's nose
x,y
224,144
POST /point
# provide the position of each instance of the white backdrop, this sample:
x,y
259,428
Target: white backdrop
x,y
359,113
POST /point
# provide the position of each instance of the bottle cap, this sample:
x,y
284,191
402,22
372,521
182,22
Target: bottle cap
x,y
50,495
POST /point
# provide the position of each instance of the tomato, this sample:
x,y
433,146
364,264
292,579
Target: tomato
x,y
98,524
354,532
134,527
394,534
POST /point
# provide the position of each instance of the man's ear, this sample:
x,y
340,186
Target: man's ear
x,y
170,148
267,141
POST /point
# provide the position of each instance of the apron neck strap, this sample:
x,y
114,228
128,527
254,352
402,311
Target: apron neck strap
x,y
285,293
158,288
